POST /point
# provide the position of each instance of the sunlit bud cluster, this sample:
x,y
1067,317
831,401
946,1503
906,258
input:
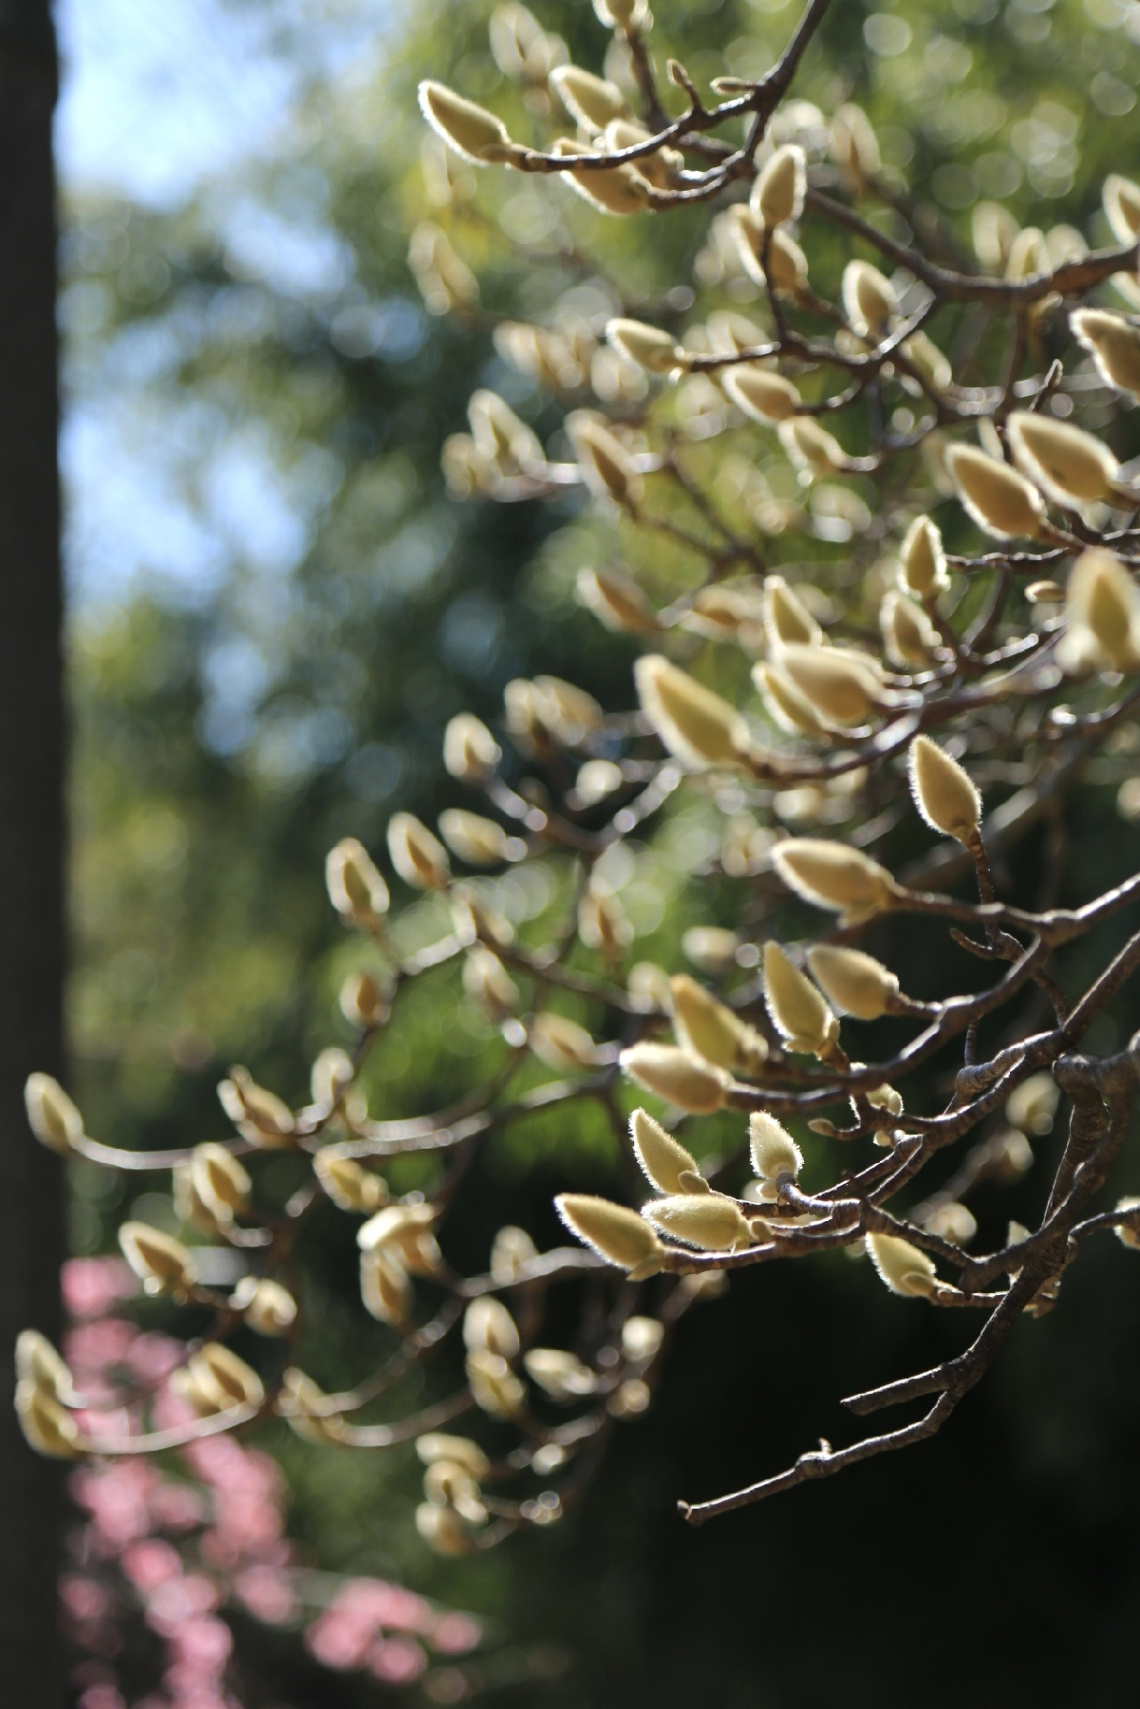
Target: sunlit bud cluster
x,y
943,791
678,1076
1001,501
260,1116
799,1013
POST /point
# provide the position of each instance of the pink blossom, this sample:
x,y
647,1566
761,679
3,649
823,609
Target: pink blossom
x,y
91,1286
397,1661
267,1593
150,1563
202,1645
153,1356
179,1600
387,1604
337,1640
91,1346
176,1506
84,1598
454,1634
116,1498
102,1696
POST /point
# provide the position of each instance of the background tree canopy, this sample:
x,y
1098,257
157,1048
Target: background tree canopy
x,y
309,608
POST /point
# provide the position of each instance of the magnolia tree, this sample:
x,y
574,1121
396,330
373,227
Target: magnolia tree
x,y
875,403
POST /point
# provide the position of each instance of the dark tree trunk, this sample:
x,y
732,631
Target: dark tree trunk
x,y
31,832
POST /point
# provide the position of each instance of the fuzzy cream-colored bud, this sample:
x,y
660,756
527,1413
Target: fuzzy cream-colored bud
x,y
621,14
473,919
606,466
922,561
362,1003
928,361
405,1232
1069,464
603,924
331,1078
219,1181
855,982
215,1380
1001,502
561,1043
778,193
474,839
869,300
617,1233
785,704
266,1306
348,1184
833,875
495,1389
842,686
813,450
656,351
641,1339
993,230
664,1161
385,1290
162,1264
488,1324
761,393
47,1426
559,1374
1114,344
356,890
567,710
774,1153
787,621
617,601
902,1266
52,1116
437,1447
500,437
707,1220
1033,1105
712,948
467,128
470,752
854,145
695,724
449,1485
952,1221
443,1530
1128,1233
418,856
710,1029
1102,616
38,1363
611,189
1121,198
799,1013
592,101
943,791
306,1408
511,1251
261,1117
677,1076
657,168
787,263
910,638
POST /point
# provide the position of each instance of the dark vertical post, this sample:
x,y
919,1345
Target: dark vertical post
x,y
31,831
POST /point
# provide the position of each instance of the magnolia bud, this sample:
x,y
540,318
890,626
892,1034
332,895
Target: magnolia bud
x,y
614,1231
695,724
162,1264
511,1250
494,1387
761,393
1102,616
470,752
943,792
931,365
478,841
1129,1233
1001,501
350,1186
621,14
707,1220
656,351
710,1029
607,468
216,1380
356,890
869,300
259,1116
453,1450
774,1153
418,857
38,1364
664,1161
778,193
1044,593
1027,255
610,189
602,923
1121,199
922,561
307,1409
798,1012
832,875
1033,1105
559,1374
1114,344
854,145
219,1182
48,1427
488,1324
952,1221
470,130
443,1529
902,1266
787,621
813,450
677,1076
266,1306
855,982
909,636
641,1339
52,1116
1071,466
362,1002
451,1486
406,1233
591,100
712,948
784,703
384,1288
842,685
787,263
617,601
561,1043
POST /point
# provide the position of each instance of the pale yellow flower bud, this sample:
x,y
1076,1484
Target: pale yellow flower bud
x,y
706,1220
356,890
499,436
761,393
261,1117
449,1485
561,1043
833,875
621,14
266,1306
787,263
1044,593
52,1116
641,1339
1027,255
348,1184
648,986
677,1076
656,351
930,363
605,464
306,1408
559,1374
48,1427
909,636
902,1266
1114,344
1129,1235
443,1529
943,792
488,1324
470,752
591,101
1102,616
993,229
385,1289
774,1153
1122,206
798,1012
710,1029
418,857
216,1380
787,620
162,1264
469,129
814,451
1001,501
602,923
952,1221
610,189
39,1364
778,193
922,561
785,704
436,1447
474,839
854,145
869,300
695,724
567,710
855,982
663,1160
511,1250
657,168
1033,1105
712,948
617,601
406,1233
331,1083
841,685
617,1233
494,1387
1071,466
219,1181
362,1003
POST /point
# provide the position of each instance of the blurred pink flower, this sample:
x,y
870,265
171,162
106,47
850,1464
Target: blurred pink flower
x,y
91,1286
267,1593
397,1661
151,1562
454,1634
337,1640
84,1598
177,1601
